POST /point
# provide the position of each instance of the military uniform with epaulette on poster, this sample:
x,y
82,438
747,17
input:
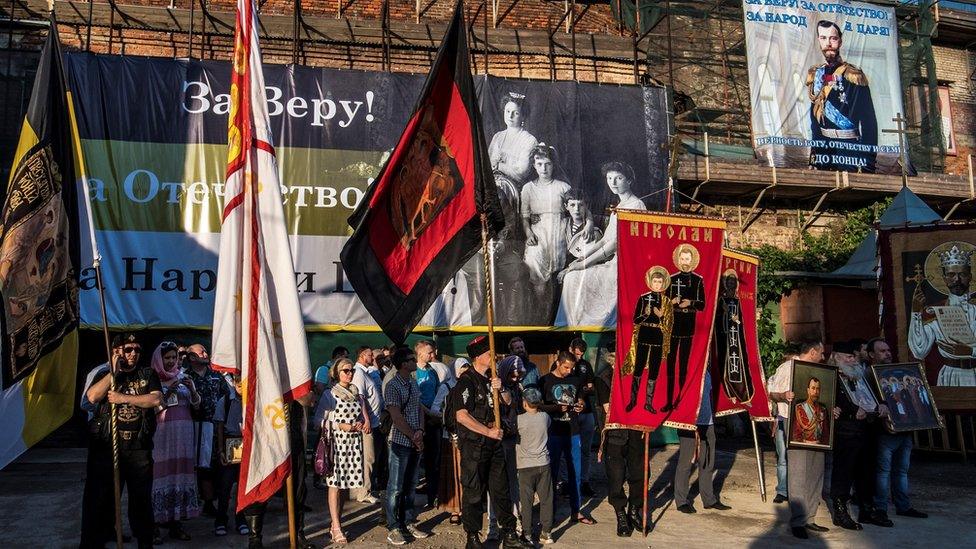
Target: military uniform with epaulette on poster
x,y
842,119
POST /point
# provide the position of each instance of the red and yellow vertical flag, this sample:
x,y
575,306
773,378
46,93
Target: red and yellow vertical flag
x,y
258,330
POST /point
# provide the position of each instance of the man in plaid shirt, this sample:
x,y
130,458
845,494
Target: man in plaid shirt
x,y
402,398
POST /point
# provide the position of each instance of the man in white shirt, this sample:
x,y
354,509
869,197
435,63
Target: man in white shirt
x,y
373,396
781,394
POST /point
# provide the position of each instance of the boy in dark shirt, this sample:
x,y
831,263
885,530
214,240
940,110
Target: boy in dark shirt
x,y
584,371
562,395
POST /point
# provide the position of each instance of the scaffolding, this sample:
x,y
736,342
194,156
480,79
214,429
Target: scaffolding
x,y
696,48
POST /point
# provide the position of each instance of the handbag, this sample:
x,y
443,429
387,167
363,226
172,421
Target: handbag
x,y
233,450
324,451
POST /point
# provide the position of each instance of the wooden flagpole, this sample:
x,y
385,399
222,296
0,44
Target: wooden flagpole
x,y
490,314
289,489
647,468
99,280
113,423
759,463
290,483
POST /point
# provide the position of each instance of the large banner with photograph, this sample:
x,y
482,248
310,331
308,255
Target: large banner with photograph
x,y
929,305
740,384
668,278
824,83
154,134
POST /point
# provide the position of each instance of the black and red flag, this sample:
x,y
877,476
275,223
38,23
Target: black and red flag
x,y
421,219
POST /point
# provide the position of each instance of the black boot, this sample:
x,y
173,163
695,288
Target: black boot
x,y
842,516
474,541
649,403
624,529
303,542
256,524
633,394
864,513
877,517
636,516
511,540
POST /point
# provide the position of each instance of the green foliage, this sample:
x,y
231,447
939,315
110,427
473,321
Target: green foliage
x,y
822,253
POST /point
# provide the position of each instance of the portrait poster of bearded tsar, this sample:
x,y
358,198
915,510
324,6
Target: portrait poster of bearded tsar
x,y
929,311
811,423
823,93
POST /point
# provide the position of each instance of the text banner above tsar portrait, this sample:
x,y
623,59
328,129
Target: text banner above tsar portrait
x,y
668,275
824,84
154,134
736,363
929,311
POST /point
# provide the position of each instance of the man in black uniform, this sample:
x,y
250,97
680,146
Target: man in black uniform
x,y
687,293
653,318
623,456
137,392
842,115
483,467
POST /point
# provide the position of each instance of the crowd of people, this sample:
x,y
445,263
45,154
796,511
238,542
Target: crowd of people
x,y
386,415
867,466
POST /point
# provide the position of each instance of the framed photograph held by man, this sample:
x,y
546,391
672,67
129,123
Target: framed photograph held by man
x,y
811,421
906,393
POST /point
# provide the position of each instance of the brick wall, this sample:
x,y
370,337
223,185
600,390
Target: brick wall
x,y
775,227
702,65
958,66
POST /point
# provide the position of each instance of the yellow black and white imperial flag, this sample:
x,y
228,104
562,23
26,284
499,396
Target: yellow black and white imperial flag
x,y
39,257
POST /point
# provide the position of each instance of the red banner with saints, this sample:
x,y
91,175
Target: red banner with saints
x,y
668,270
736,363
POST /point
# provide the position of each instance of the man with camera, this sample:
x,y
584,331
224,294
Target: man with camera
x,y
211,387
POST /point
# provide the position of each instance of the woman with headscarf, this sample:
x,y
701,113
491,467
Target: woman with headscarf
x,y
449,488
347,423
174,492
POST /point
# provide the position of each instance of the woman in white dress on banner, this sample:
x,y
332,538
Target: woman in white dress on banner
x,y
510,150
347,422
589,295
543,219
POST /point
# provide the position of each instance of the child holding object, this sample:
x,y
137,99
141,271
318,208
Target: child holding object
x,y
532,458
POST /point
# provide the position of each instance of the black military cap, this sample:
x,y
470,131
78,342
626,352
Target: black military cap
x,y
123,338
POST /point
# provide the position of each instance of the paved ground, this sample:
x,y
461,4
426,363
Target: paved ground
x,y
40,494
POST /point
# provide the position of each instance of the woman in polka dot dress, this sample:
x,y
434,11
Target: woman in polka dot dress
x,y
348,421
